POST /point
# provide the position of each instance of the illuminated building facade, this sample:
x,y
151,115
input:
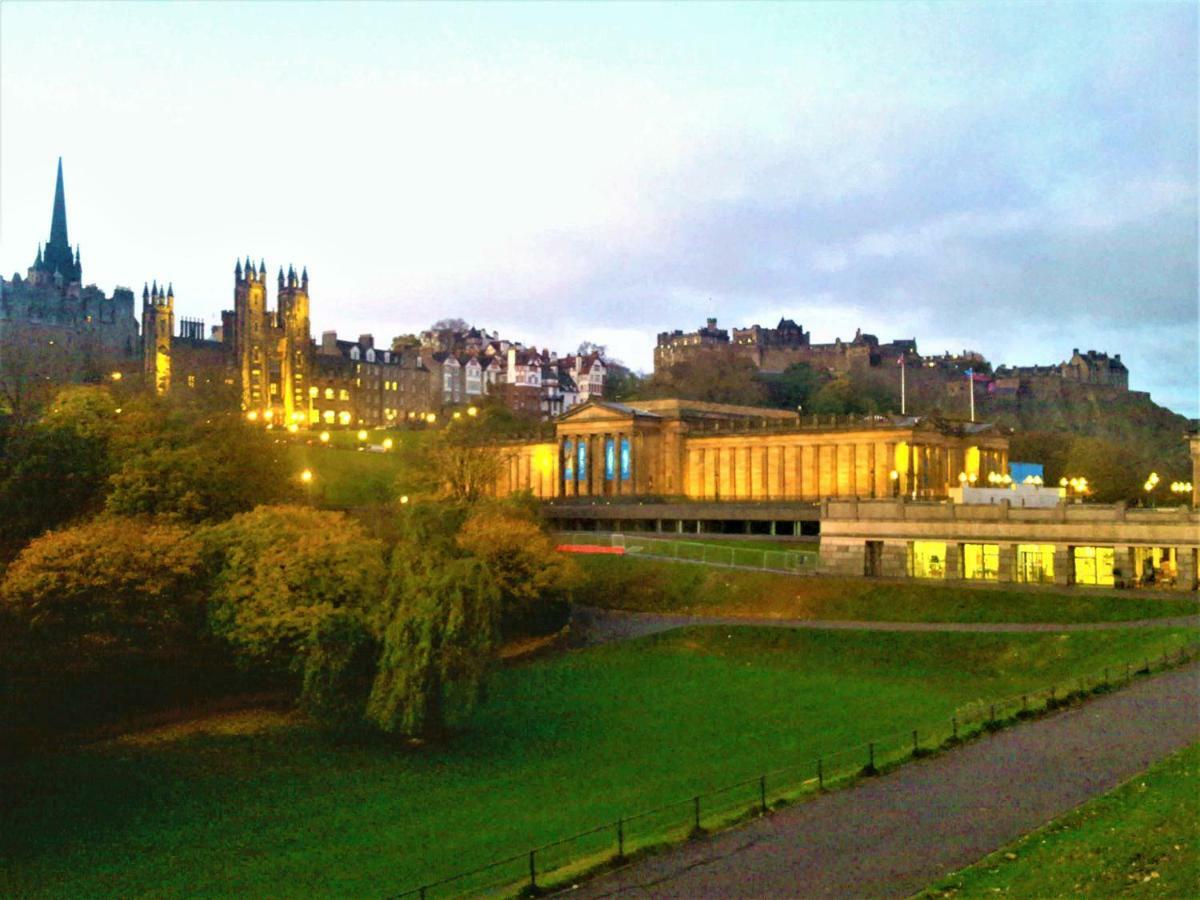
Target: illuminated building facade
x,y
718,452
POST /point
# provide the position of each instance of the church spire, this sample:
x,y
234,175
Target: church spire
x,y
58,222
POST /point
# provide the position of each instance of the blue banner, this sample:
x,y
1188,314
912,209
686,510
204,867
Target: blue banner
x,y
626,471
581,461
568,460
610,460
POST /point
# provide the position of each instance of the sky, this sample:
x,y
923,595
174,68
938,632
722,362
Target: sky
x,y
1016,179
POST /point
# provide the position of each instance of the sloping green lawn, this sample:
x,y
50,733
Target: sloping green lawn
x,y
1140,840
563,744
642,585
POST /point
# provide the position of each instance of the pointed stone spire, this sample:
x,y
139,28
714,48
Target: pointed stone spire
x,y
58,222
237,270
154,289
170,290
262,269
304,278
281,278
39,259
145,292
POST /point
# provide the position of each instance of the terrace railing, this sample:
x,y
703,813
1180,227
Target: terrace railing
x,y
790,562
562,862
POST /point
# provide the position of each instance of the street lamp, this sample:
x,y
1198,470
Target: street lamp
x,y
387,443
895,478
472,411
306,476
252,416
324,437
362,435
116,376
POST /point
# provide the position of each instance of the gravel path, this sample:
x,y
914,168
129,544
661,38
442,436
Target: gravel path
x,y
893,835
601,626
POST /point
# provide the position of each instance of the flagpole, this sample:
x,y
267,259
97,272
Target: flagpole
x,y
903,403
971,390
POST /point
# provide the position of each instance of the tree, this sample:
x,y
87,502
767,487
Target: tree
x,y
794,387
450,325
534,580
462,462
438,646
710,377
282,570
50,474
106,614
621,383
191,466
588,347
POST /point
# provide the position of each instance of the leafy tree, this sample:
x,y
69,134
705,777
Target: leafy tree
x,y
533,579
461,462
195,467
621,383
589,347
281,571
49,475
438,645
795,386
90,410
450,325
106,613
709,377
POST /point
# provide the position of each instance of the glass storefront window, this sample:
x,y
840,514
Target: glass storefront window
x,y
1094,565
981,561
1035,563
927,559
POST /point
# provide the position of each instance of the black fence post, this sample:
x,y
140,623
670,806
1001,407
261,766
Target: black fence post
x,y
820,774
954,726
533,870
421,892
871,755
696,812
1051,695
620,838
762,792
1025,703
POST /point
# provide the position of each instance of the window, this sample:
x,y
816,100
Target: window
x,y
328,393
1093,565
343,394
1154,566
1035,563
314,392
191,381
328,416
981,561
344,417
927,559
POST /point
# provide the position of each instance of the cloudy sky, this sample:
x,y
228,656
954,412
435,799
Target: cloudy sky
x,y
1019,180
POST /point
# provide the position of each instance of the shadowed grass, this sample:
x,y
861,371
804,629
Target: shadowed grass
x,y
642,585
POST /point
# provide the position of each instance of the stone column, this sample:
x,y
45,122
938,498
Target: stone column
x,y
953,560
1008,562
1185,564
1064,565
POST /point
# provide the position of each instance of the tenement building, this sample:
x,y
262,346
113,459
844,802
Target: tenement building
x,y
58,325
718,452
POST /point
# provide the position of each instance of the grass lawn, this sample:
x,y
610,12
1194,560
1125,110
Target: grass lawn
x,y
564,743
1141,839
345,476
644,585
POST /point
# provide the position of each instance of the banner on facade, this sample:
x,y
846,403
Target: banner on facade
x,y
626,469
581,461
568,460
610,459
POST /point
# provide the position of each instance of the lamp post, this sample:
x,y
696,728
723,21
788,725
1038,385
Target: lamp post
x,y
895,477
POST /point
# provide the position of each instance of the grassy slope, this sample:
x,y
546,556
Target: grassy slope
x,y
346,477
1142,839
564,744
652,586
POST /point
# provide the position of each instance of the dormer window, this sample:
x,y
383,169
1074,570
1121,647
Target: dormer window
x,y
370,355
354,354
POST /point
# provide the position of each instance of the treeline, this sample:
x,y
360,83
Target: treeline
x,y
156,554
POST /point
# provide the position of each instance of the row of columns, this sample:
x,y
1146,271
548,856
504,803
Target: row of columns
x,y
594,482
727,471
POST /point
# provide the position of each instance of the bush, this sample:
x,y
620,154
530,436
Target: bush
x,y
104,617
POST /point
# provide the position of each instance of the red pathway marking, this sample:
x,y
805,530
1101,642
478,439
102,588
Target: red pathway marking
x,y
589,548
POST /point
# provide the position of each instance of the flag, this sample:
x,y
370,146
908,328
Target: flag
x,y
900,360
970,373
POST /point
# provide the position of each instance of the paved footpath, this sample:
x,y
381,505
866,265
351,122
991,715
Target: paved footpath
x,y
894,835
601,626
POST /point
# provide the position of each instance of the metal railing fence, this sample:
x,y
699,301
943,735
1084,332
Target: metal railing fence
x,y
561,862
711,554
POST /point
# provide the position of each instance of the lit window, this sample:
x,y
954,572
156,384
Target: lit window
x,y
343,394
1035,563
1094,565
314,392
927,559
981,561
344,417
191,381
328,416
328,393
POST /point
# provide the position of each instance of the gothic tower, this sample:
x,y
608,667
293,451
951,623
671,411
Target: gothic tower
x,y
158,324
57,258
250,313
295,346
